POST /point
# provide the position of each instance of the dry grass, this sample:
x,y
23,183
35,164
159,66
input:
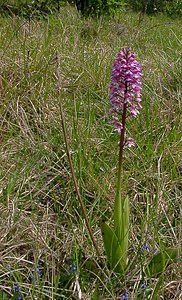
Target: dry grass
x,y
40,222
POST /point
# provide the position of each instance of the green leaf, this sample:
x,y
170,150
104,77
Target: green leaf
x,y
121,222
157,288
161,260
95,295
113,250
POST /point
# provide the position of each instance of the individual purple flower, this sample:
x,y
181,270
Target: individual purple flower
x,y
116,124
125,88
129,143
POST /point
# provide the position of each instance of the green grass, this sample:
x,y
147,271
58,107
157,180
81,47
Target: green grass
x,y
41,222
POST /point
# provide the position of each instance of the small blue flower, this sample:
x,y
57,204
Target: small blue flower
x,y
143,285
154,250
38,271
125,296
36,274
72,268
17,288
144,247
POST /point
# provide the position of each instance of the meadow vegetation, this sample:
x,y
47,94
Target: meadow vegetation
x,y
45,250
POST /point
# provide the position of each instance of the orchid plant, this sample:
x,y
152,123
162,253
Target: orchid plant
x,y
125,98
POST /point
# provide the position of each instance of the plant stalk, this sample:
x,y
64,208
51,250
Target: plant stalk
x,y
121,145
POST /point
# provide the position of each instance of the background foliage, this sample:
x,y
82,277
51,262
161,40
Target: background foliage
x,y
99,7
172,8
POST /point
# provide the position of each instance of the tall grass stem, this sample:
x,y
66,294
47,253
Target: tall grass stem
x,y
59,86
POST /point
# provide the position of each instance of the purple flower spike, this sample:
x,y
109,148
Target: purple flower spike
x,y
125,88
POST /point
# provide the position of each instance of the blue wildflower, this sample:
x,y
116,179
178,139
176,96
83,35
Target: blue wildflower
x,y
154,250
72,268
144,247
17,288
125,296
33,278
143,285
38,271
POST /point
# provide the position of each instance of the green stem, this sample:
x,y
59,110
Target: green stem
x,y
121,207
